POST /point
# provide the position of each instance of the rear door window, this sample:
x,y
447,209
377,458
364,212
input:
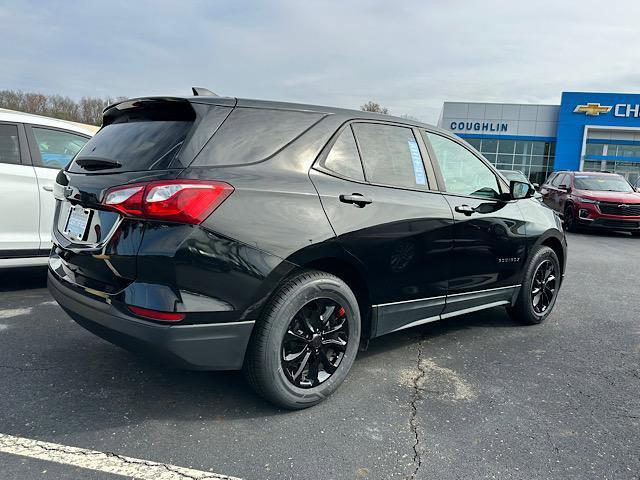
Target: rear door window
x,y
343,158
251,135
391,155
57,148
9,144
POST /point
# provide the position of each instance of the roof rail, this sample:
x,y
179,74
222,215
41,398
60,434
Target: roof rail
x,y
202,92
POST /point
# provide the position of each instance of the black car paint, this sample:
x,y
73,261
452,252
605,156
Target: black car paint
x,y
413,256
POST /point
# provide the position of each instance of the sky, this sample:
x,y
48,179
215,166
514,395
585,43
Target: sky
x,y
410,56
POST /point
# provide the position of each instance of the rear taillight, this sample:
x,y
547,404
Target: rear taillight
x,y
183,201
156,314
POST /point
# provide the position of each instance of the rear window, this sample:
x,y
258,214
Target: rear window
x,y
250,135
146,145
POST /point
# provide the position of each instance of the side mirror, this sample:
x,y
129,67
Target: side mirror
x,y
519,190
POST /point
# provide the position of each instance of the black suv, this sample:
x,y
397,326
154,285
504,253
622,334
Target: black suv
x,y
224,233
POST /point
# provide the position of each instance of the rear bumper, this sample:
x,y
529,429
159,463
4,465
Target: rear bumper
x,y
212,346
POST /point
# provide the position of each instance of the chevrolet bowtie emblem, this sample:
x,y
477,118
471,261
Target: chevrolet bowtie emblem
x,y
592,109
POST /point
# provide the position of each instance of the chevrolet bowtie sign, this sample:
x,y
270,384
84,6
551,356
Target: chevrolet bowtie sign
x,y
592,109
619,110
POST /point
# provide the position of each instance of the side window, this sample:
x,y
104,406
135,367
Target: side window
x,y
551,179
344,158
463,172
9,144
560,179
253,134
57,148
391,155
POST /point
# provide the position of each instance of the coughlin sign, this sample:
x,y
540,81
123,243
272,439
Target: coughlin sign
x,y
479,126
622,110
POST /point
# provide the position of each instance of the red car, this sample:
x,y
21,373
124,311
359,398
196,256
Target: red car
x,y
593,199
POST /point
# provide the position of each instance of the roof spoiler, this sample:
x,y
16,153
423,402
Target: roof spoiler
x,y
202,92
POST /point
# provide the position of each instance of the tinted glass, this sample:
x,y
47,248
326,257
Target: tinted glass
x,y
463,172
474,142
145,145
602,183
551,178
253,134
390,155
344,158
514,175
561,179
594,149
537,148
9,144
506,146
57,148
489,146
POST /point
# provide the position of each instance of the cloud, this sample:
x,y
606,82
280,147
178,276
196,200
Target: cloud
x,y
410,56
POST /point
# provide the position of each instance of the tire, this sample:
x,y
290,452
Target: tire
x,y
525,309
280,329
570,223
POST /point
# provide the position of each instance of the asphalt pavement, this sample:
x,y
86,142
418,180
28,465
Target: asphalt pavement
x,y
474,397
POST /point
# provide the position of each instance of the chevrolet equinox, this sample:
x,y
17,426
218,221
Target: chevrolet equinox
x,y
276,238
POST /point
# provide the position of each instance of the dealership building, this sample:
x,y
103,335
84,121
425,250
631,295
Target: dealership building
x,y
587,131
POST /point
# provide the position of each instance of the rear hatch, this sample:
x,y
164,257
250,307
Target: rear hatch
x,y
141,140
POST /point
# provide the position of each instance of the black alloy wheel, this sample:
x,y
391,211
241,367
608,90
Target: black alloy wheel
x,y
539,289
543,287
305,341
570,224
314,343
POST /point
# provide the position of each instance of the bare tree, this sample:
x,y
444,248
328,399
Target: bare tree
x,y
87,110
374,107
410,117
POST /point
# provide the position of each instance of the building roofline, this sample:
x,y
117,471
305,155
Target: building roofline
x,y
504,103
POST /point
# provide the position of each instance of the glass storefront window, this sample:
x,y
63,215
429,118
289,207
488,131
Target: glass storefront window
x,y
523,147
489,145
474,142
537,160
537,148
613,150
592,166
594,149
506,146
519,160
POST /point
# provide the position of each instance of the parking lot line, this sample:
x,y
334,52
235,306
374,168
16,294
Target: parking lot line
x,y
102,461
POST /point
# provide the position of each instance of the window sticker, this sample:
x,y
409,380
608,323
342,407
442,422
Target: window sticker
x,y
416,159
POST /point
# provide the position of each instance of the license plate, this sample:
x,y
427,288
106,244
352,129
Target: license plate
x,y
77,223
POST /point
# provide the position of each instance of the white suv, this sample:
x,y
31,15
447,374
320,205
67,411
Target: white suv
x,y
32,151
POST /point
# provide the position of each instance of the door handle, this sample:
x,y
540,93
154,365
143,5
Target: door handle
x,y
47,188
466,209
356,199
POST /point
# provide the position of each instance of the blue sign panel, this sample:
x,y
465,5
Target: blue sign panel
x,y
579,109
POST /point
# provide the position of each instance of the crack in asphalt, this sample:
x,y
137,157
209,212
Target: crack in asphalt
x,y
415,398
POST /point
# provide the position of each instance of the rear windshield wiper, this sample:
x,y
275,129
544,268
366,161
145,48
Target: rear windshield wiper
x,y
97,163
